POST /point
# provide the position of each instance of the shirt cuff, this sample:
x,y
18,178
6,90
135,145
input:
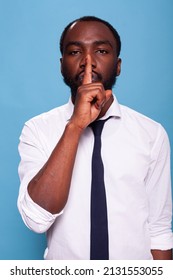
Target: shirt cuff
x,y
35,217
162,242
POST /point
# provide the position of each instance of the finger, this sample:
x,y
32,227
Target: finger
x,y
87,79
101,104
102,98
108,94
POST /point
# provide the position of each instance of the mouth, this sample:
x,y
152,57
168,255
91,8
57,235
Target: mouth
x,y
95,77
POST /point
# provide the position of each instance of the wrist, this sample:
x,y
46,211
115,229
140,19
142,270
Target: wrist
x,y
74,128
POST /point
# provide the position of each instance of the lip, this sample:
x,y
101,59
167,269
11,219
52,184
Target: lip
x,y
95,76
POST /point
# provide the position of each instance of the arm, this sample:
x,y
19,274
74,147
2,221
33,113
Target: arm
x,y
162,255
160,198
50,187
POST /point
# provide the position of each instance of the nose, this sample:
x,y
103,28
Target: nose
x,y
83,61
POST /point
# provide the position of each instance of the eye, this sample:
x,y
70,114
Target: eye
x,y
102,51
74,52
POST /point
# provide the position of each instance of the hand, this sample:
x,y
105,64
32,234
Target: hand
x,y
90,99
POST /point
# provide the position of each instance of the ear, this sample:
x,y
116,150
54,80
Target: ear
x,y
61,64
118,66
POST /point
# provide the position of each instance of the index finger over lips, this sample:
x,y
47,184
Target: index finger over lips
x,y
87,79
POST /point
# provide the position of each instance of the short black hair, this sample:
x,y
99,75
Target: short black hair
x,y
92,18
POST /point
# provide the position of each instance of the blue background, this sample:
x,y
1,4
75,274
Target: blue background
x,y
31,83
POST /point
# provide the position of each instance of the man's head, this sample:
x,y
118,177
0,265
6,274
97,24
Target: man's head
x,y
92,18
97,38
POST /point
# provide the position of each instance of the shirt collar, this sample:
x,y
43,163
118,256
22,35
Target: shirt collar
x,y
113,111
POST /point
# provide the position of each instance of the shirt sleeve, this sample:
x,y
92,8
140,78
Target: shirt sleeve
x,y
33,157
159,194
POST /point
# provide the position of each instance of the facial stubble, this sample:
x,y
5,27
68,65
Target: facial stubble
x,y
75,82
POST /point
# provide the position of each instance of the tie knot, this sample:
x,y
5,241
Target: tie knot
x,y
97,127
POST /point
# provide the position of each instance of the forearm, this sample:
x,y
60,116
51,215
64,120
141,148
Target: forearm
x,y
50,187
162,255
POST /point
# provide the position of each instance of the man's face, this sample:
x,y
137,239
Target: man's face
x,y
93,38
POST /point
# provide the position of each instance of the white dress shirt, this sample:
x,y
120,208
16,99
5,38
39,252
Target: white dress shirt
x,y
136,156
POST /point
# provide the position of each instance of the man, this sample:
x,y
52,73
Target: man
x,y
56,153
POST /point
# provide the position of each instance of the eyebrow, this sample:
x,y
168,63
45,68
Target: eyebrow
x,y
97,43
103,42
73,43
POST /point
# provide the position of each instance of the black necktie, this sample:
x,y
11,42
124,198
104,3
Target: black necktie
x,y
99,225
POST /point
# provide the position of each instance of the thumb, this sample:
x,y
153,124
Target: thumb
x,y
108,94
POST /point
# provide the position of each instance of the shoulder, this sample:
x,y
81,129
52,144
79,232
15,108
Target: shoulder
x,y
142,124
53,115
130,115
47,125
